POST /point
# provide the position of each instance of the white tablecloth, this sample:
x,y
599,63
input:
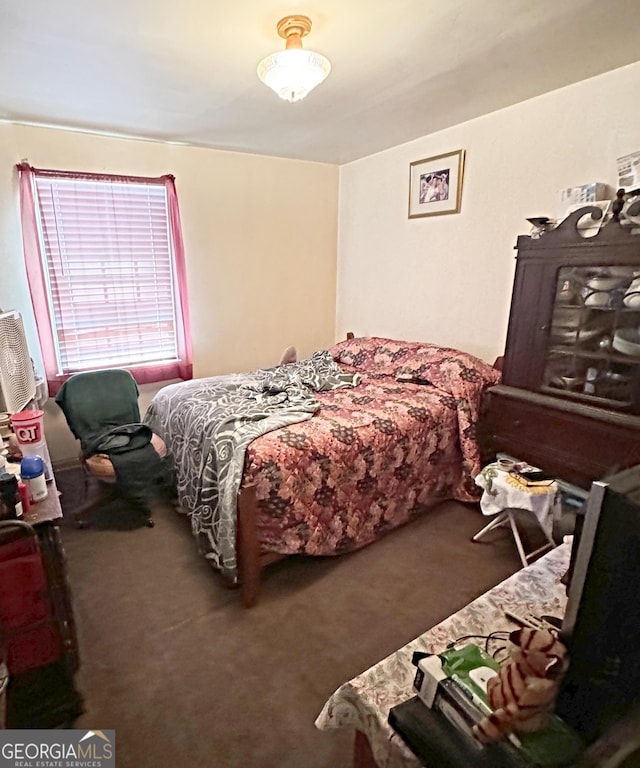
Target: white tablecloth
x,y
507,490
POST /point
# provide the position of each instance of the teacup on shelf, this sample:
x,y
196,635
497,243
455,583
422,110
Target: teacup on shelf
x,y
596,298
570,383
604,290
632,296
627,341
632,299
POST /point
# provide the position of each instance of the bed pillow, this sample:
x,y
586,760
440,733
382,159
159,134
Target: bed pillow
x,y
414,361
375,354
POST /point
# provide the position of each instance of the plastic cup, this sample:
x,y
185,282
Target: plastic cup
x,y
28,427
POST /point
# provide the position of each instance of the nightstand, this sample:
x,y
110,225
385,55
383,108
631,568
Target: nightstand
x,y
505,492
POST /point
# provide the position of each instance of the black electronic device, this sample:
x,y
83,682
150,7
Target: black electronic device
x,y
535,475
601,626
433,737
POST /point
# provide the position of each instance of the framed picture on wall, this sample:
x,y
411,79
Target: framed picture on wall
x,y
435,185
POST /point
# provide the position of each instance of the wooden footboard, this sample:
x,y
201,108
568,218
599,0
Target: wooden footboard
x,y
251,558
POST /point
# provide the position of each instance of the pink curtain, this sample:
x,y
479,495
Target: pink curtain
x,y
36,278
183,369
180,369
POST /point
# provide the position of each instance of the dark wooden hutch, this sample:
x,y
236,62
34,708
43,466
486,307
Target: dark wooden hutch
x,y
569,401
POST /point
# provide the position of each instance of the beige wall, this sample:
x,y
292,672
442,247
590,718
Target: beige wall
x,y
260,238
448,279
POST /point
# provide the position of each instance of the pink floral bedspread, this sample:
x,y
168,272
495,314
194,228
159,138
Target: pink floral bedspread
x,y
375,455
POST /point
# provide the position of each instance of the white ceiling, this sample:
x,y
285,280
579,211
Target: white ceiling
x,y
185,70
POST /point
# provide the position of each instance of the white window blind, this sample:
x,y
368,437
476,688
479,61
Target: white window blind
x,y
109,267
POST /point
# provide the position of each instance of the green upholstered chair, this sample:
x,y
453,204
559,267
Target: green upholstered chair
x,y
120,453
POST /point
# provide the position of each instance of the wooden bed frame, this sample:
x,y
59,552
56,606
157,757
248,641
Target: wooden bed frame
x,y
251,558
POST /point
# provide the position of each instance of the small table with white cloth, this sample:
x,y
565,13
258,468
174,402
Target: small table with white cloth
x,y
505,492
363,703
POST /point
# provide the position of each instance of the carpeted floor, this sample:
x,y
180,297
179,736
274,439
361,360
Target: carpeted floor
x,y
189,678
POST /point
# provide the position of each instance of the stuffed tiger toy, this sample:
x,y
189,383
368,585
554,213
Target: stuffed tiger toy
x,y
523,693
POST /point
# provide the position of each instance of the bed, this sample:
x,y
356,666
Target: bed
x,y
322,456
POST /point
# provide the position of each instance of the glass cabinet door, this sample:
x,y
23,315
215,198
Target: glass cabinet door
x,y
593,346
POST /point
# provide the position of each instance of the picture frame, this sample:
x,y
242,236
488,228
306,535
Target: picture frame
x,y
435,185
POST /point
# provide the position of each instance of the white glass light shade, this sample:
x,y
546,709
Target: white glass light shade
x,y
294,72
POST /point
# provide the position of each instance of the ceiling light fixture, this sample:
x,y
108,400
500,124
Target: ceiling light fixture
x,y
294,72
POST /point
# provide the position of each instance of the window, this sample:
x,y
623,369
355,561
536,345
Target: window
x,y
105,264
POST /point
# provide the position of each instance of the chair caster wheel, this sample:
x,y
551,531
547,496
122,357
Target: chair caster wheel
x,y
150,523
